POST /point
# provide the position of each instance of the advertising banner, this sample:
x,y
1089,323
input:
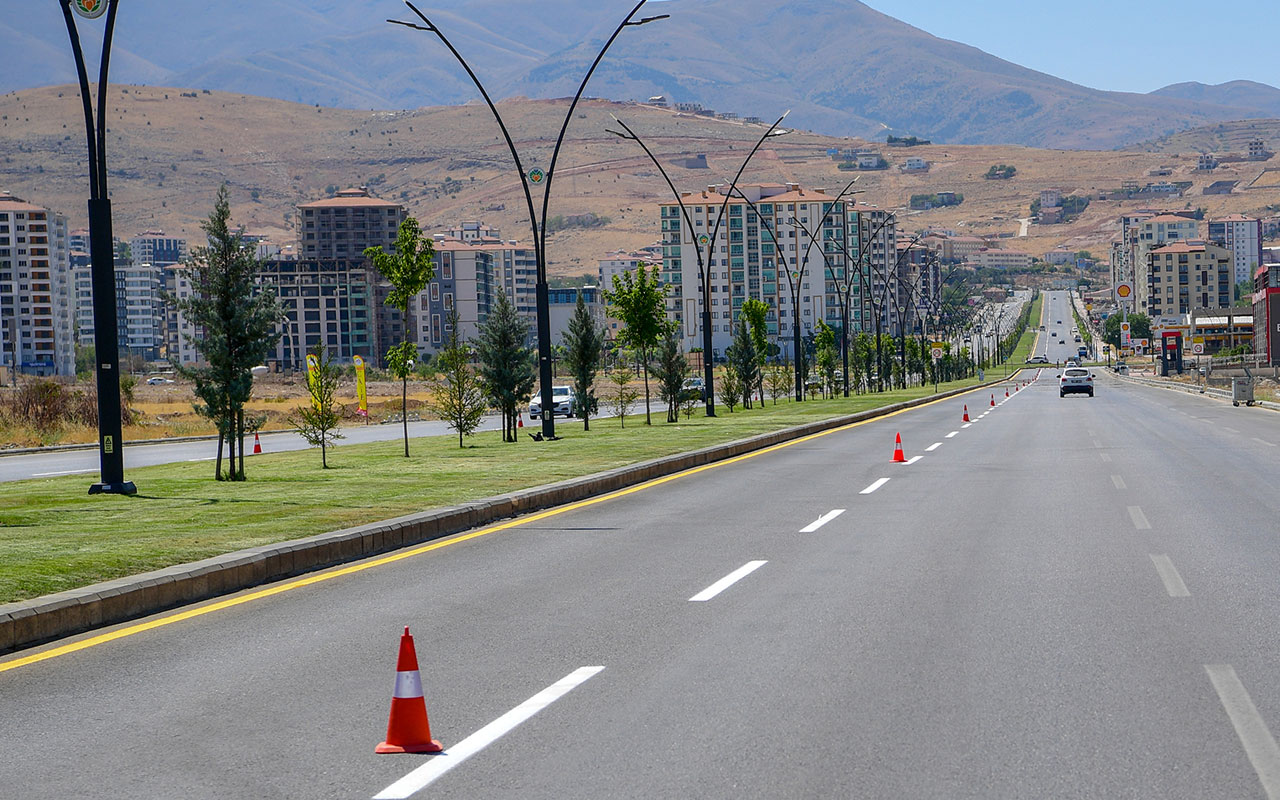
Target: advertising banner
x,y
363,410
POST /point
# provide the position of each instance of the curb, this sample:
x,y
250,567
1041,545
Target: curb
x,y
54,448
1209,391
42,619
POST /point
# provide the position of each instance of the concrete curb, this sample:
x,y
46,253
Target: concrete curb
x,y
54,616
55,448
1209,391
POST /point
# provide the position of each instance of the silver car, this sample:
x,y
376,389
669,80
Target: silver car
x,y
1075,380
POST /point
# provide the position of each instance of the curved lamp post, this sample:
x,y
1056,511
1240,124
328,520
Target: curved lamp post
x,y
102,255
704,265
537,226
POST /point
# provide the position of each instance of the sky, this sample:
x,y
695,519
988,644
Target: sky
x,y
1118,45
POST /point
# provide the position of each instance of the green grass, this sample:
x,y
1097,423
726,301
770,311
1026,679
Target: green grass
x,y
54,537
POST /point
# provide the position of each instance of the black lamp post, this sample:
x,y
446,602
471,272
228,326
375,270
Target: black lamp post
x,y
538,227
105,337
704,265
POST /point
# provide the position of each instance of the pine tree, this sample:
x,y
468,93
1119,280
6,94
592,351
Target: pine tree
x,y
583,344
671,368
459,397
507,362
744,362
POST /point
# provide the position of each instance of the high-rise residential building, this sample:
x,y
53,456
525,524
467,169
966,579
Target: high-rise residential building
x,y
609,268
153,247
466,280
327,302
1184,276
36,306
1150,234
763,247
1243,237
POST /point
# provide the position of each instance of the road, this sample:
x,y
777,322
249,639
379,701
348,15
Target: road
x,y
1057,341
1062,599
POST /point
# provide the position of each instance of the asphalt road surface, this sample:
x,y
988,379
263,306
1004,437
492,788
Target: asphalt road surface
x,y
1066,598
1057,342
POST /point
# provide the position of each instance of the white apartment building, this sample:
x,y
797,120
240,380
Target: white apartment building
x,y
1149,234
1243,237
36,308
1001,259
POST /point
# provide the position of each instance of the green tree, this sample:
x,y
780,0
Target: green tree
x,y
459,397
237,323
638,300
780,380
756,313
507,362
671,368
318,422
826,356
408,268
730,388
1139,328
584,343
624,394
744,362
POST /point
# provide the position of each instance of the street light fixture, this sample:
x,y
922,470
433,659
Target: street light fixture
x,y
537,226
102,255
704,265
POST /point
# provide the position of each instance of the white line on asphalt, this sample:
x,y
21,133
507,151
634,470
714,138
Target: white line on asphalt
x,y
1139,519
953,434
1252,729
727,581
822,520
1118,481
1229,428
424,775
63,472
1169,574
967,424
874,486
1105,457
913,460
207,458
1263,441
933,447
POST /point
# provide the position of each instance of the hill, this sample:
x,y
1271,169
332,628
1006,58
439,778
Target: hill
x,y
845,68
169,149
1223,137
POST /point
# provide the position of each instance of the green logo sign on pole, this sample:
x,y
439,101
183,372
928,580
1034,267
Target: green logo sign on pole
x,y
90,8
704,240
536,175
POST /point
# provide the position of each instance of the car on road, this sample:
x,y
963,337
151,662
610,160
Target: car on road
x,y
1038,360
1075,380
1078,339
158,381
693,389
563,399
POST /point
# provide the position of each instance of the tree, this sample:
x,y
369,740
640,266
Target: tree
x,y
237,323
318,422
756,313
826,356
744,362
409,268
459,397
779,380
624,394
730,388
638,301
507,363
671,368
1139,328
584,342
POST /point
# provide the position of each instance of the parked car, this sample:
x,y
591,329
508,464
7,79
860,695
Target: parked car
x,y
562,396
1038,360
693,389
1075,380
158,380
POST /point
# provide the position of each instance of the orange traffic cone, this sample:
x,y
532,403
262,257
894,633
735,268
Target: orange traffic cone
x,y
1006,392
257,445
993,401
966,412
408,730
898,457
519,419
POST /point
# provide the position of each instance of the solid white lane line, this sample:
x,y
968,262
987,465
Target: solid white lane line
x,y
1139,519
953,434
63,472
1252,729
933,447
1263,441
1105,457
822,520
874,486
1118,481
207,458
424,775
913,460
727,581
1169,574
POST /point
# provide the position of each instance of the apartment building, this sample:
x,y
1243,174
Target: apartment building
x,y
1183,276
1266,313
466,280
609,268
1148,235
1001,259
36,308
1243,237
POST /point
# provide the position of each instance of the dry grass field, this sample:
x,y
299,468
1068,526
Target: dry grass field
x,y
169,151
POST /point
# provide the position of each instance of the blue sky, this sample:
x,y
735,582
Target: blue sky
x,y
1121,45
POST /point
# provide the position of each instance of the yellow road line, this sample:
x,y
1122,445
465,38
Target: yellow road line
x,y
319,577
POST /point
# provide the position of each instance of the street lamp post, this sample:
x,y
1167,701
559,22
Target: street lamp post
x,y
537,226
105,336
704,265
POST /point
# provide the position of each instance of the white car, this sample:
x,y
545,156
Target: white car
x,y
563,399
1075,380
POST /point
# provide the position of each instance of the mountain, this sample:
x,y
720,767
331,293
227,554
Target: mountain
x,y
844,68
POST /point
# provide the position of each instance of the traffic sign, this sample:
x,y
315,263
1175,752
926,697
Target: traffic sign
x,y
90,9
536,175
937,349
1197,345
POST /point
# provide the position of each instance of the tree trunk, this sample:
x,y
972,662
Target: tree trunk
x,y
240,435
231,449
404,412
217,468
647,420
324,461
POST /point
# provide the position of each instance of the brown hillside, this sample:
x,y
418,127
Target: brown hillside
x,y
168,153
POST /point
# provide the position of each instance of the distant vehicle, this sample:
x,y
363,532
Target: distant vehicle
x,y
1041,327
1078,339
1075,380
693,389
561,396
1054,334
1082,351
1121,368
158,381
1038,360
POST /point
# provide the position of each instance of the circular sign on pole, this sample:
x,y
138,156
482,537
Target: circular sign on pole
x,y
536,175
704,240
1124,291
91,9
936,351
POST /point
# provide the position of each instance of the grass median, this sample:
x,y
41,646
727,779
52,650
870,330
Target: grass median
x,y
54,537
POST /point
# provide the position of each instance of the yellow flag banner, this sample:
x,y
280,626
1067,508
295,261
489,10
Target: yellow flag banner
x,y
313,366
363,410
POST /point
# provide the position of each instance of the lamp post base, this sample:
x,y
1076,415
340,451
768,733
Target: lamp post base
x,y
125,487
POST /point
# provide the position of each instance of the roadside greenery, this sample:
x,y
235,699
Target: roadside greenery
x,y
318,422
584,345
507,364
459,397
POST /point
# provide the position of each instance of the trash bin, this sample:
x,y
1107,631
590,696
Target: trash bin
x,y
1242,391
